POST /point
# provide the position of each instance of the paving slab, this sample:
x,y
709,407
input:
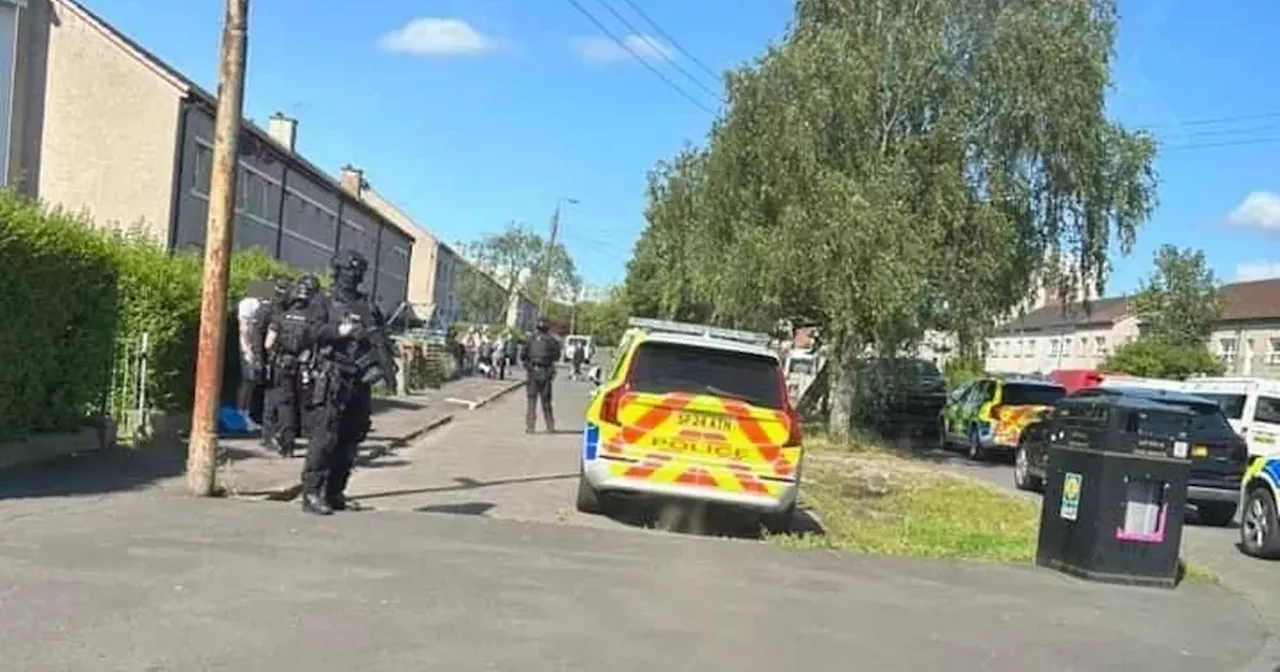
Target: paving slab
x,y
158,582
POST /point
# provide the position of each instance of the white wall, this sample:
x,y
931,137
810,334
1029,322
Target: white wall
x,y
1062,348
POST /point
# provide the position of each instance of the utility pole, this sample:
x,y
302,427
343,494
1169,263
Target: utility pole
x,y
202,450
546,257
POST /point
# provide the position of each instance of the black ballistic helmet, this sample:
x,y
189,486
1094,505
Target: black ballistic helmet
x,y
543,324
306,287
351,261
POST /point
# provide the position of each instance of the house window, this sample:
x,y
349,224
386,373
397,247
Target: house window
x,y
202,169
1227,350
1100,345
1273,351
1055,348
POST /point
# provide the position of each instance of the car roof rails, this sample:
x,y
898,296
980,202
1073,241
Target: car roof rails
x,y
688,329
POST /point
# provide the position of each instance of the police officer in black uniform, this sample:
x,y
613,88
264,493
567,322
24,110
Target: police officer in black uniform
x,y
289,343
259,410
353,352
539,357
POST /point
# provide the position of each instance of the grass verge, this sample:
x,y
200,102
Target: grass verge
x,y
873,500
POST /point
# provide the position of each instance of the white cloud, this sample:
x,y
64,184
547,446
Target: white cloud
x,y
1257,270
605,50
430,36
1258,210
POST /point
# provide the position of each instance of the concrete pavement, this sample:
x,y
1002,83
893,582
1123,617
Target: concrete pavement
x,y
156,582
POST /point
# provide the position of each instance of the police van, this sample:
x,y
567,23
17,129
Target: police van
x,y
1252,406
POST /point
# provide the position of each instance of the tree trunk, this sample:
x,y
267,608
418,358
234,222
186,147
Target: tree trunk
x,y
843,388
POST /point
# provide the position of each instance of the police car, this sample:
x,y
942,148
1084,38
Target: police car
x,y
696,413
1259,523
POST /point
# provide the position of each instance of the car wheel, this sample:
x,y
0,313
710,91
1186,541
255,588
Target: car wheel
x,y
590,500
1216,514
781,522
1022,478
976,452
1259,525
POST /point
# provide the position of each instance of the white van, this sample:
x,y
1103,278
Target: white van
x,y
1252,405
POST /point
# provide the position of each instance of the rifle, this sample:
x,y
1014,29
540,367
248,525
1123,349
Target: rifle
x,y
378,360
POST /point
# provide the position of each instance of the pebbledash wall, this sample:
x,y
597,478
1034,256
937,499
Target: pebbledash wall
x,y
100,125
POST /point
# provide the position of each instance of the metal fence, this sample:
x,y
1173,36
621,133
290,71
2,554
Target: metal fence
x,y
126,403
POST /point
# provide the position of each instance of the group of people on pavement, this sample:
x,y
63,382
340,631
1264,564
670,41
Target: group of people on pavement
x,y
488,356
314,358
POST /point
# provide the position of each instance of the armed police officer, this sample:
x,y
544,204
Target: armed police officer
x,y
253,334
539,358
290,344
353,352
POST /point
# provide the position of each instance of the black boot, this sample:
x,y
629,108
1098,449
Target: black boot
x,y
285,449
313,499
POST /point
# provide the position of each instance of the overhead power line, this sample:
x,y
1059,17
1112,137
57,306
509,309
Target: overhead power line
x,y
1210,121
1226,143
622,43
715,76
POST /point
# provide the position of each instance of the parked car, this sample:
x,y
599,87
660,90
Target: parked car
x,y
1252,406
988,415
1259,521
906,394
1219,456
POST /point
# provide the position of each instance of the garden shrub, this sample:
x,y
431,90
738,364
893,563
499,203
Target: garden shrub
x,y
59,306
76,306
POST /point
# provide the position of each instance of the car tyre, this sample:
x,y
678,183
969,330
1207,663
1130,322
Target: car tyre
x,y
781,522
976,452
1022,478
590,500
1216,514
1260,525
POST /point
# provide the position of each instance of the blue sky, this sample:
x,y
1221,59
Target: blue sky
x,y
488,111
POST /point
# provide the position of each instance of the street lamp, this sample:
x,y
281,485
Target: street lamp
x,y
551,246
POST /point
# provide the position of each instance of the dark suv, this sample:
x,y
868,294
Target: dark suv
x,y
1219,456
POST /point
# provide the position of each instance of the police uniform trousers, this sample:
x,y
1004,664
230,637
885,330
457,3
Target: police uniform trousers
x,y
538,391
282,413
336,418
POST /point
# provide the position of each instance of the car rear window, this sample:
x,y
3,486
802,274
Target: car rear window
x,y
1210,420
1232,404
661,368
1031,395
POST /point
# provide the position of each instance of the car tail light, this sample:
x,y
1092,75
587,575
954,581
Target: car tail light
x,y
795,436
612,401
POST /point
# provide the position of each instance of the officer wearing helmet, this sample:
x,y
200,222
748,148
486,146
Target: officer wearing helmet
x,y
259,371
290,344
352,352
539,358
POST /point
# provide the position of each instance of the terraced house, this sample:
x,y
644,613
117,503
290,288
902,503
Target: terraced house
x,y
1247,338
96,123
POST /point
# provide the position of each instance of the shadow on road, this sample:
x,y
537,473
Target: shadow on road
x,y
462,483
705,520
116,469
460,509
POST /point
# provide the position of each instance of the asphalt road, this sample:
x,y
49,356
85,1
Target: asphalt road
x,y
149,581
1213,547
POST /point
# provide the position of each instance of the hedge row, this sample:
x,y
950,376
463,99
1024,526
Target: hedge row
x,y
75,305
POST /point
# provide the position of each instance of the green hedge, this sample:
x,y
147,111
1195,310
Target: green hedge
x,y
76,306
60,306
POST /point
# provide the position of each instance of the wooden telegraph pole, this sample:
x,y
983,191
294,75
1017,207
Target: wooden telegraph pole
x,y
203,448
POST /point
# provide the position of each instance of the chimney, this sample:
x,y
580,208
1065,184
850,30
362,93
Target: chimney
x,y
283,130
352,180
